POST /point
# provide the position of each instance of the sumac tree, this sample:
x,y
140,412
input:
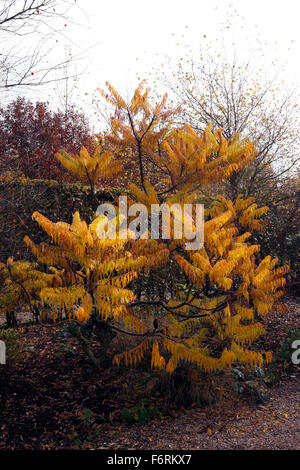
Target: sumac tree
x,y
200,306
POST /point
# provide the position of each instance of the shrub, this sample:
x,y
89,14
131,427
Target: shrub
x,y
205,309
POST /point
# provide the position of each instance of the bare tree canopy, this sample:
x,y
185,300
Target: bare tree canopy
x,y
239,99
21,17
23,62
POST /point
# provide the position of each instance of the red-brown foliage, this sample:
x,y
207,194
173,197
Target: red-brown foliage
x,y
31,134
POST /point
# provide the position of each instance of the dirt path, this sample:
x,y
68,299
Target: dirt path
x,y
275,425
45,392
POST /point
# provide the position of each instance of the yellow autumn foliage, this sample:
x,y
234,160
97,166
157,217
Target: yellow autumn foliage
x,y
177,303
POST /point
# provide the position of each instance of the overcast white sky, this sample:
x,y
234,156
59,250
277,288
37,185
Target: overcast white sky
x,y
130,30
126,39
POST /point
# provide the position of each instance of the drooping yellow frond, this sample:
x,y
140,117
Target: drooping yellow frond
x,y
134,356
84,311
249,358
63,298
191,356
157,361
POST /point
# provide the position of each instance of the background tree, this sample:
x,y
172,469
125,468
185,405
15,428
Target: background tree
x,y
42,21
280,235
31,134
237,98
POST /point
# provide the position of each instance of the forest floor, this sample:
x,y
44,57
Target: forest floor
x,y
52,398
